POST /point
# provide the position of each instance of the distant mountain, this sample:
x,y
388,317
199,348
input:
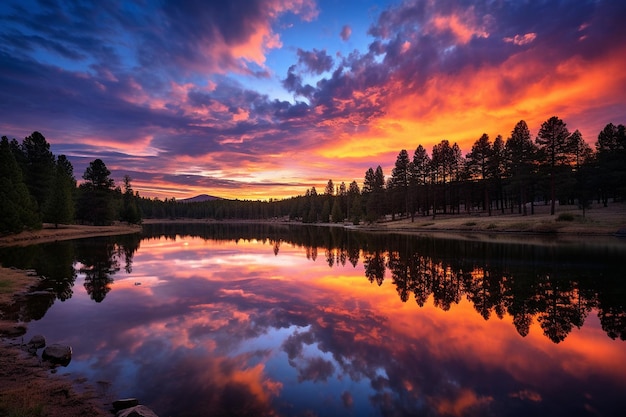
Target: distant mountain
x,y
199,199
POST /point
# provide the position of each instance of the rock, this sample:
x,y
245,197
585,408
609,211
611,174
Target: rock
x,y
57,354
41,293
37,342
125,403
12,329
137,411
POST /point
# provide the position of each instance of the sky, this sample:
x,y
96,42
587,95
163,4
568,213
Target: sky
x,y
260,99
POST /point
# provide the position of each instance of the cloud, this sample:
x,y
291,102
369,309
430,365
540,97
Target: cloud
x,y
346,398
522,39
217,36
315,61
175,84
346,32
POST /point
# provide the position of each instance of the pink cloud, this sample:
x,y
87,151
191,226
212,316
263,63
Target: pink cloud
x,y
346,32
522,39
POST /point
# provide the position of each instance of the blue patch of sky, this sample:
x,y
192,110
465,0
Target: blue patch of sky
x,y
311,395
272,339
298,394
323,33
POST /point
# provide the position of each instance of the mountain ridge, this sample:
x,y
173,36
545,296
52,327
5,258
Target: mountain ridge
x,y
199,199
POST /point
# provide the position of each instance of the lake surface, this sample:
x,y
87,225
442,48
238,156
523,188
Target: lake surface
x,y
259,320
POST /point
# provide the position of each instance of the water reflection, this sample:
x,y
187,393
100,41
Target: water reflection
x,y
553,285
58,264
274,320
100,259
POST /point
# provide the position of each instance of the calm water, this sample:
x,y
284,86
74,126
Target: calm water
x,y
295,321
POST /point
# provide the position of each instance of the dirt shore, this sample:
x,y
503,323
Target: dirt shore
x,y
65,232
567,221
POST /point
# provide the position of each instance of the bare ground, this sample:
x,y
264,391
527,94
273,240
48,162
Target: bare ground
x,y
567,224
64,232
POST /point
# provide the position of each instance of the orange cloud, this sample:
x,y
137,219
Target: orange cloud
x,y
461,107
522,39
463,26
461,404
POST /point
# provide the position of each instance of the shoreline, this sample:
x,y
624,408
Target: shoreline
x,y
600,225
49,233
28,387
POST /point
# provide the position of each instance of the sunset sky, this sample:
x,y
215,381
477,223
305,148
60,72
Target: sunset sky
x,y
258,99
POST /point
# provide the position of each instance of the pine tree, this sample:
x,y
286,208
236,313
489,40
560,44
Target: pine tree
x,y
336,213
520,155
400,176
129,212
373,193
96,195
554,146
478,162
325,215
39,163
421,174
330,188
17,208
354,210
611,154
59,207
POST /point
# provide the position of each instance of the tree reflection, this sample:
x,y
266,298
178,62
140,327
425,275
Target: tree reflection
x,y
53,262
374,264
549,284
558,308
611,304
102,258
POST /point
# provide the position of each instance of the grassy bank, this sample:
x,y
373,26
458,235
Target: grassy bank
x,y
568,220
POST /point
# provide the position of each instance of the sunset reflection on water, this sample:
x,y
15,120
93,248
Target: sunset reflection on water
x,y
268,327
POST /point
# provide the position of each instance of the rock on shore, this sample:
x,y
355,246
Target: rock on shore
x,y
57,354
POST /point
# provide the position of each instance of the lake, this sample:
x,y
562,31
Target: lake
x,y
278,320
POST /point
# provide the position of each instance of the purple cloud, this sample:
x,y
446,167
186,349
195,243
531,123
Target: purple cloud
x,y
345,33
315,61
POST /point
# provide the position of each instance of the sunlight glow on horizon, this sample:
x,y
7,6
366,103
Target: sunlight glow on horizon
x,y
267,102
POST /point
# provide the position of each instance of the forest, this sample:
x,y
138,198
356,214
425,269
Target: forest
x,y
36,187
511,175
500,175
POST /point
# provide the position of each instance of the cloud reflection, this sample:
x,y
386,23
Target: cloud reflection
x,y
243,333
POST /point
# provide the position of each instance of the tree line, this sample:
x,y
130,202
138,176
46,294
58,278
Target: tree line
x,y
557,290
505,175
36,187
